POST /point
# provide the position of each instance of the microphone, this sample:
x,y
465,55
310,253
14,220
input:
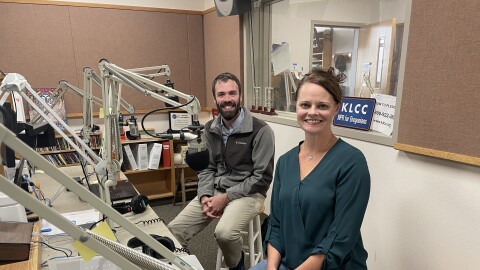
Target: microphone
x,y
133,133
197,154
178,136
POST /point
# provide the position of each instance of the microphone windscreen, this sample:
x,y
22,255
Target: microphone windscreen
x,y
197,161
139,203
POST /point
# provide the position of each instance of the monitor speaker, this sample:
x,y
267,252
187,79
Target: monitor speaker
x,y
232,7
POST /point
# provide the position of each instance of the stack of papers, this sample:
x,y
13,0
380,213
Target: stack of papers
x,y
77,218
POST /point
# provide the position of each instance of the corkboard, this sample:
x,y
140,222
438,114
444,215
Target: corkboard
x,y
440,110
49,43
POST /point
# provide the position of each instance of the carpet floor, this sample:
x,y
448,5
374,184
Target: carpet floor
x,y
203,245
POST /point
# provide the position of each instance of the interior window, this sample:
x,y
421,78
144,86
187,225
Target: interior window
x,y
361,39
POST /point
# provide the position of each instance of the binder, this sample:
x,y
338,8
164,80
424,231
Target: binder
x,y
141,156
130,160
154,155
166,154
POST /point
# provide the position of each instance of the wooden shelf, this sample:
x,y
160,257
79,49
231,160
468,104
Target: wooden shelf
x,y
160,196
128,172
65,151
143,139
57,135
137,112
155,184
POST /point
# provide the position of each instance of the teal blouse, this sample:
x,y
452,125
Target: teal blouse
x,y
324,212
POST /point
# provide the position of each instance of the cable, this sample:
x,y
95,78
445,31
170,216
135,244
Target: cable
x,y
57,193
34,189
150,221
64,240
57,248
30,183
43,197
43,264
41,236
161,109
62,249
182,249
86,175
95,224
146,222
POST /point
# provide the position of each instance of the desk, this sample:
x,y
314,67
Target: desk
x,y
68,202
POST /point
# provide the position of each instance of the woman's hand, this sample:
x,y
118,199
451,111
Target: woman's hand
x,y
273,258
314,262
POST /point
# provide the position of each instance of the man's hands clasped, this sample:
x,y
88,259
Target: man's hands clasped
x,y
213,206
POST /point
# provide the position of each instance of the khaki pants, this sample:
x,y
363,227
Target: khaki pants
x,y
235,218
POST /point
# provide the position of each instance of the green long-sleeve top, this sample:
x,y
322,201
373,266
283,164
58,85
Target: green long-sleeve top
x,y
324,212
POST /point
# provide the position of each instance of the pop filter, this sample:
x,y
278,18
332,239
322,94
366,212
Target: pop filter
x,y
197,161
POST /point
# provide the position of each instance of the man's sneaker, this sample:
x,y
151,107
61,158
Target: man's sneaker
x,y
241,264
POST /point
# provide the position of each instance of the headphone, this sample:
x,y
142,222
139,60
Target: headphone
x,y
137,205
165,241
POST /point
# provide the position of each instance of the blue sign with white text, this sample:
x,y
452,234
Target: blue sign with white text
x,y
355,113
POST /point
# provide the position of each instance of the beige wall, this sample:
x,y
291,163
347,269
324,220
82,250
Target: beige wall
x,y
178,4
222,48
423,213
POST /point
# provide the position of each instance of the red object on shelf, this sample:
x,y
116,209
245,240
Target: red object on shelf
x,y
214,113
166,154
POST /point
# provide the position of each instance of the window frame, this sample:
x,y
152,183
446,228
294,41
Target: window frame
x,y
257,44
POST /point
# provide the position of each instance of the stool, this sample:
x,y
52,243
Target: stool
x,y
254,250
184,185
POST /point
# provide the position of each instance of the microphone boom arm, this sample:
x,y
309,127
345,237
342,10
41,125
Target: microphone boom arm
x,y
138,81
85,237
107,170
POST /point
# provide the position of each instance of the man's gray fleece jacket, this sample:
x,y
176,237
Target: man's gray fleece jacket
x,y
245,165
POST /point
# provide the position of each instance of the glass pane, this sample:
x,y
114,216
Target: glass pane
x,y
336,47
361,39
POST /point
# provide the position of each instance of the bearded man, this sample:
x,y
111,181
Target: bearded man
x,y
234,185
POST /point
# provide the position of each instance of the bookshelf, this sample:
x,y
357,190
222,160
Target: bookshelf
x,y
63,155
154,183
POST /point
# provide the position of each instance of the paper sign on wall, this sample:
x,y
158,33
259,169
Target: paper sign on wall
x,y
384,113
179,120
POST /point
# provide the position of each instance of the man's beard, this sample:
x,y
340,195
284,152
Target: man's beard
x,y
229,115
